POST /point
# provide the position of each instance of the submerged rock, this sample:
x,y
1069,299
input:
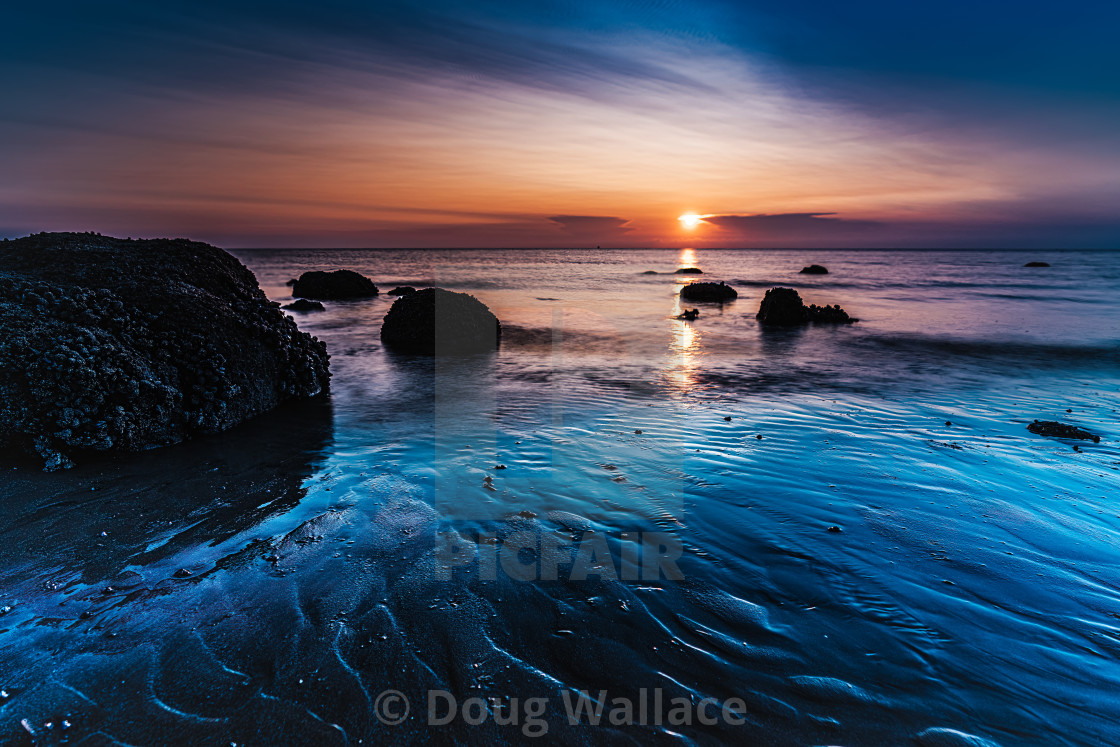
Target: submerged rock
x,y
713,292
1055,429
650,272
783,306
119,345
302,304
1037,264
690,271
689,314
334,285
402,290
435,321
942,737
814,270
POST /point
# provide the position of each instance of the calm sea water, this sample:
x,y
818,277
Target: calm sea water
x,y
974,588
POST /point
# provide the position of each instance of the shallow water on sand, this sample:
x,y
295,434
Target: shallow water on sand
x,y
974,588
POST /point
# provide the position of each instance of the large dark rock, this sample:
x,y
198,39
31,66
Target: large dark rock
x,y
1037,264
438,321
115,345
784,307
711,292
814,270
690,271
1055,429
334,285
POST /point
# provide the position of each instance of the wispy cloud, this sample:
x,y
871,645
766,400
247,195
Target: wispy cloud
x,y
790,223
592,225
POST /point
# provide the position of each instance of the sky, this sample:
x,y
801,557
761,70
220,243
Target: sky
x,y
556,123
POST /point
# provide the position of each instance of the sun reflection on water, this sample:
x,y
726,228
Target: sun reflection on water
x,y
683,364
687,258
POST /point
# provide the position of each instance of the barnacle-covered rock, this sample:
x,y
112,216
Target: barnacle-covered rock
x,y
116,345
784,307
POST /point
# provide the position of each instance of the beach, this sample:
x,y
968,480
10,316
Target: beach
x,y
862,543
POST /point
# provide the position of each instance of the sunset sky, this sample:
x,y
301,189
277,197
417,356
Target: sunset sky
x,y
551,123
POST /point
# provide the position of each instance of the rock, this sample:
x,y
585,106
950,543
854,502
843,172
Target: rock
x,y
1037,264
783,306
114,345
814,270
437,321
689,314
291,282
650,272
402,290
942,737
303,304
710,292
835,529
1054,429
334,285
828,314
690,271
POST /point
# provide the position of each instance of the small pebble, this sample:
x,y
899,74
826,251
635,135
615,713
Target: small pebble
x,y
638,431
182,573
835,529
759,436
948,422
727,418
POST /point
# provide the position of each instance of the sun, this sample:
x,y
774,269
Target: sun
x,y
690,220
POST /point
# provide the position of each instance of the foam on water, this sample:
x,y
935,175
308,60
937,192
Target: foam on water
x,y
266,585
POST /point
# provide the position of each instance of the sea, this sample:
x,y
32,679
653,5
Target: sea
x,y
705,532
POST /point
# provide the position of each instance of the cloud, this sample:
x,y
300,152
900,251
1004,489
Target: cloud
x,y
783,224
585,225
